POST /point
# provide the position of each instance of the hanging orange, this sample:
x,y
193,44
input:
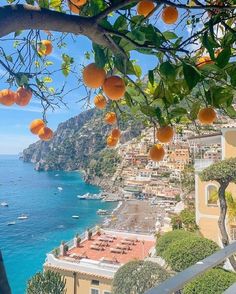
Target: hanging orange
x,y
114,88
23,96
145,7
157,152
116,133
100,101
207,116
110,118
73,8
165,134
46,47
78,2
170,15
7,97
45,134
36,125
93,76
111,141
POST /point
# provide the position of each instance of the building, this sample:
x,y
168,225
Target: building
x,y
206,200
91,261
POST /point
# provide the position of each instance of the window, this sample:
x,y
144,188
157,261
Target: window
x,y
95,282
94,291
212,195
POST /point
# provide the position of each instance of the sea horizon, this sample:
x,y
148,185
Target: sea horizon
x,y
49,210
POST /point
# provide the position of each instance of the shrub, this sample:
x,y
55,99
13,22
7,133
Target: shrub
x,y
164,241
188,219
186,252
136,277
215,281
46,283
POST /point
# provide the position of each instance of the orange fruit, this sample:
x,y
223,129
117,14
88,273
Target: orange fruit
x,y
45,47
93,76
36,125
145,7
202,61
73,8
157,152
165,134
111,141
207,115
100,101
78,2
110,118
45,134
7,97
114,87
170,14
116,133
23,96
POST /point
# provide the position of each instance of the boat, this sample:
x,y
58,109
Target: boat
x,y
102,212
56,175
60,188
4,204
89,196
22,217
11,223
81,197
75,216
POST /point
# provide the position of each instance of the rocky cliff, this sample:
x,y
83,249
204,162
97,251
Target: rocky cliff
x,y
80,144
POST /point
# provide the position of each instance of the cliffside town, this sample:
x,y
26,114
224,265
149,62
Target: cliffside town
x,y
127,171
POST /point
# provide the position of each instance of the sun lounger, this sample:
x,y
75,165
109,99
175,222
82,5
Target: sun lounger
x,y
95,247
123,246
126,242
116,250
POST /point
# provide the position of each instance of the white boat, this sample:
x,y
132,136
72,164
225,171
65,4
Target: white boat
x,y
82,197
60,188
102,212
11,223
4,204
56,175
22,217
75,216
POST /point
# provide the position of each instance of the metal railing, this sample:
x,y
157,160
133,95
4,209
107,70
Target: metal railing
x,y
178,281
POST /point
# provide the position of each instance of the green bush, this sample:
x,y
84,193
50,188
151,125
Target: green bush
x,y
136,277
188,219
164,241
186,252
47,282
215,281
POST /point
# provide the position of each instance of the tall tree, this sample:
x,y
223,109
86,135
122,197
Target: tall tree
x,y
224,173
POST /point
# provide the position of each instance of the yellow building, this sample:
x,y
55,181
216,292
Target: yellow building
x,y
89,266
207,206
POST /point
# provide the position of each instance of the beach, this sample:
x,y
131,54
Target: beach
x,y
136,216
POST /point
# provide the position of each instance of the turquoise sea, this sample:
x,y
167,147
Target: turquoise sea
x,y
25,244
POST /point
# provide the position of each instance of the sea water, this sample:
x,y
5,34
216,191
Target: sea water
x,y
49,210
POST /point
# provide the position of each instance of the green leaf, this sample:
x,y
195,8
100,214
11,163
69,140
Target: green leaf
x,y
191,75
120,23
100,57
138,70
178,111
167,70
47,80
223,58
151,77
17,33
169,35
194,110
9,58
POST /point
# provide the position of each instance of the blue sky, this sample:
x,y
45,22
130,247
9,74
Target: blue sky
x,y
14,121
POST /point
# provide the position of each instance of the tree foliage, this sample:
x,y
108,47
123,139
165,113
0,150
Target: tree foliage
x,y
183,253
223,171
188,219
135,277
47,282
177,86
215,281
167,239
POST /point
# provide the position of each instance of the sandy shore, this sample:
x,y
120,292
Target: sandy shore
x,y
137,215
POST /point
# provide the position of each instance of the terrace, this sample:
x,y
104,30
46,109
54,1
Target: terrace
x,y
104,253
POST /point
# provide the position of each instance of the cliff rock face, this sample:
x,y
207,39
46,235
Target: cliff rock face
x,y
80,143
